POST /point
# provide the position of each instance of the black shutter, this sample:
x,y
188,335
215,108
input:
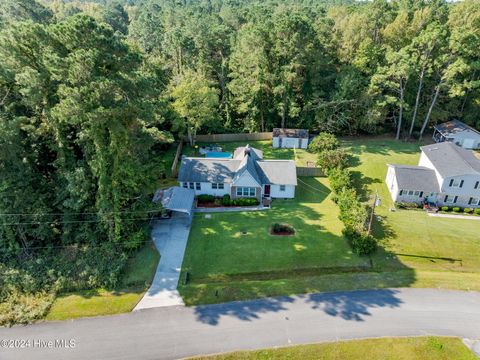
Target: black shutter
x,y
401,192
455,199
446,198
476,184
421,194
461,183
451,183
470,201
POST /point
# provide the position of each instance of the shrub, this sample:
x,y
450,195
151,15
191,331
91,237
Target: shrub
x,y
339,179
467,210
361,242
330,159
476,211
408,205
456,209
245,202
204,198
226,201
322,142
445,208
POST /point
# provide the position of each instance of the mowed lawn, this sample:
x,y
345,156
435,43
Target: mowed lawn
x,y
232,256
416,240
419,348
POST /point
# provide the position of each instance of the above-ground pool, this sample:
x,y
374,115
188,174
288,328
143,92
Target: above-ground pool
x,y
218,154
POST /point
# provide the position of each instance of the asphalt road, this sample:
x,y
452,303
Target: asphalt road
x,y
176,332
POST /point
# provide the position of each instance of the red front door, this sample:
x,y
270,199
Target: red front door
x,y
266,191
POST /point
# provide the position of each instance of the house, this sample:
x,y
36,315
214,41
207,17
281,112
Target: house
x,y
247,174
457,132
290,138
446,175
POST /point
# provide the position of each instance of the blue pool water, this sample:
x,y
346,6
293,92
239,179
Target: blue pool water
x,y
222,155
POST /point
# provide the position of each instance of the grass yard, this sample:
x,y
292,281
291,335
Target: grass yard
x,y
136,280
416,250
417,348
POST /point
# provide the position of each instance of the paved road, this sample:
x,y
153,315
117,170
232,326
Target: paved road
x,y
175,332
170,238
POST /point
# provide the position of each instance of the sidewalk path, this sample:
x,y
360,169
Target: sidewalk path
x,y
170,238
466,217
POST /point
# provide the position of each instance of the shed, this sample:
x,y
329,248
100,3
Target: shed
x,y
290,138
176,199
458,133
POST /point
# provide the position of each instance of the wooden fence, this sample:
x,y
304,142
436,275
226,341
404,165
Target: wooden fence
x,y
309,171
175,160
233,137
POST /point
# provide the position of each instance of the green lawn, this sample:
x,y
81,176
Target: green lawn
x,y
416,250
417,348
137,278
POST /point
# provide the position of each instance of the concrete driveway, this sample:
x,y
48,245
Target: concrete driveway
x,y
178,331
170,237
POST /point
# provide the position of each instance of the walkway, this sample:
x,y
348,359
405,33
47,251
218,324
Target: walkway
x,y
451,216
178,331
170,237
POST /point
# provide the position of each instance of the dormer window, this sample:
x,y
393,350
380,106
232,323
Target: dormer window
x,y
456,183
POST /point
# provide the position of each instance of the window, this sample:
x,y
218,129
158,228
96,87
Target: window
x,y
191,185
282,187
246,191
410,192
185,185
417,193
218,186
456,183
476,184
198,186
474,201
450,199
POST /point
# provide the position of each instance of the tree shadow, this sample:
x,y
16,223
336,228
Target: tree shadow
x,y
354,305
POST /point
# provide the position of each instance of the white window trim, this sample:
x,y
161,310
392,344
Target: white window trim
x,y
450,199
458,184
283,188
241,190
477,202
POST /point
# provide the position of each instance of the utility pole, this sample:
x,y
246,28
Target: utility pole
x,y
376,201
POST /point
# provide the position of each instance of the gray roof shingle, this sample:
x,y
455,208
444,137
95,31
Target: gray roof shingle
x,y
176,199
453,127
452,160
416,178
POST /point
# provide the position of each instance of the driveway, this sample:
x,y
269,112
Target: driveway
x,y
177,331
170,237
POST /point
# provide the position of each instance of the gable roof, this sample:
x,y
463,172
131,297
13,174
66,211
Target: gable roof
x,y
246,159
454,127
416,178
452,160
292,133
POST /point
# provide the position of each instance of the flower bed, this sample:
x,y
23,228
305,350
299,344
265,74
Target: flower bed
x,y
210,201
282,229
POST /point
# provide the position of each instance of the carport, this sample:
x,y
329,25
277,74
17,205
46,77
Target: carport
x,y
176,199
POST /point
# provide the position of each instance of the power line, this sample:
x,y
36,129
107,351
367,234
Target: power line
x,y
69,221
79,213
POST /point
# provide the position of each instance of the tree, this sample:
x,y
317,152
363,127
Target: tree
x,y
196,101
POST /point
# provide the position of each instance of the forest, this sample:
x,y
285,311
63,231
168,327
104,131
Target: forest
x,y
92,93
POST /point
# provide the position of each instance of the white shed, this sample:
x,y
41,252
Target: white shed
x,y
458,133
290,138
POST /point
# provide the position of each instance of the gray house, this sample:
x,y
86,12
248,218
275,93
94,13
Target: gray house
x,y
247,174
457,132
290,138
446,175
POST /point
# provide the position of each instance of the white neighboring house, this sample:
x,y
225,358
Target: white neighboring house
x,y
290,138
446,175
457,132
245,175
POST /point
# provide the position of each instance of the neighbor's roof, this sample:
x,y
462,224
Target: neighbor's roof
x,y
416,178
453,127
176,199
281,172
293,133
452,160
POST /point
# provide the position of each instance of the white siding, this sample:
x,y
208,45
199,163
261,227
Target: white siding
x,y
275,142
290,143
246,180
464,193
206,188
391,182
289,192
303,143
460,138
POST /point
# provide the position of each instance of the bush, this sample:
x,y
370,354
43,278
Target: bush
x,y
322,142
245,202
445,208
330,159
361,242
204,198
408,205
226,201
339,179
476,211
456,209
467,210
